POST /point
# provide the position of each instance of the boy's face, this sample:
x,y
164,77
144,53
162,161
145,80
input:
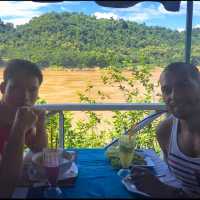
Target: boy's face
x,y
21,90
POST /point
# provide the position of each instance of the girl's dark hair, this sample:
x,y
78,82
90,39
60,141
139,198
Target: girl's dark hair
x,y
16,66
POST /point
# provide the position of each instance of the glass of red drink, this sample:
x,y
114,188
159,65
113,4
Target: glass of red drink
x,y
51,159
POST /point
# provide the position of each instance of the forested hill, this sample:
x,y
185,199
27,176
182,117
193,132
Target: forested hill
x,y
77,40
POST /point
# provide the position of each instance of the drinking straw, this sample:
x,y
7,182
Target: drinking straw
x,y
129,135
51,132
56,141
131,132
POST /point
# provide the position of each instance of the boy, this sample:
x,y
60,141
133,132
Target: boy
x,y
20,87
20,123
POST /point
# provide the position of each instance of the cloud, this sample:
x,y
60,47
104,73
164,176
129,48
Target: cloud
x,y
20,12
105,15
183,29
139,17
196,26
139,13
144,14
20,9
146,11
73,3
180,29
18,21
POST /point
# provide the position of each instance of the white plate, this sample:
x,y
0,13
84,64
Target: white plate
x,y
70,173
132,188
149,161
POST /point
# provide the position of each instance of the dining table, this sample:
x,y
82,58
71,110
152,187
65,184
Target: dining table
x,y
96,177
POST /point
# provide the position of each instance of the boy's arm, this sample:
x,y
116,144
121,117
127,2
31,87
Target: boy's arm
x,y
7,114
11,163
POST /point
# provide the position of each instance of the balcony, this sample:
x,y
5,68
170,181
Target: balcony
x,y
59,108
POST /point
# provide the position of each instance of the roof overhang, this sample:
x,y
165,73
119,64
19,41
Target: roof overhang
x,y
168,5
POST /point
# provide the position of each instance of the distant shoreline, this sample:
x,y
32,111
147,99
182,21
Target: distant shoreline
x,y
89,69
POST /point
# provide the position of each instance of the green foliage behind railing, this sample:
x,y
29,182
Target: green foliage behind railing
x,y
87,133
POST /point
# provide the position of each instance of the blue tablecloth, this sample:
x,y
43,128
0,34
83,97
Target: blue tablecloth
x,y
96,179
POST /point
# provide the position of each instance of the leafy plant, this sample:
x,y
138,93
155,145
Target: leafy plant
x,y
88,134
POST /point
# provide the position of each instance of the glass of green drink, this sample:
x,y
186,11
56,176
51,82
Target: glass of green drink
x,y
126,150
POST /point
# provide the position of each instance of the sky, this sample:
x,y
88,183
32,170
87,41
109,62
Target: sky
x,y
150,13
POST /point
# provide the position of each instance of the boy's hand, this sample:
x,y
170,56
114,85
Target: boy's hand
x,y
36,139
41,115
25,118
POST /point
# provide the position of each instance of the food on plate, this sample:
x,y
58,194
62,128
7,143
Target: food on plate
x,y
112,154
138,160
112,151
115,162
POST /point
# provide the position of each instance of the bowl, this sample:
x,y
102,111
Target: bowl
x,y
65,163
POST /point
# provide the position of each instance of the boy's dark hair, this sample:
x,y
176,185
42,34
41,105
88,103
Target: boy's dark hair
x,y
178,67
16,66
